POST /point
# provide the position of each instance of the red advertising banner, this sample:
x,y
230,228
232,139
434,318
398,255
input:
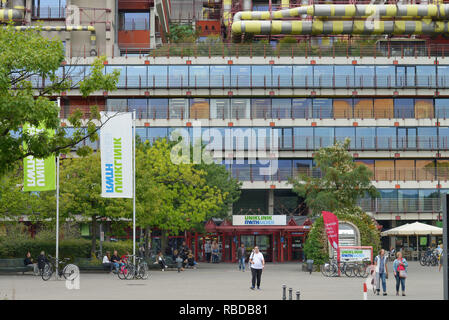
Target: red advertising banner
x,y
331,226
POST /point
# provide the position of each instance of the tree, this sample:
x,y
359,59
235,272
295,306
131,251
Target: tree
x,y
183,33
24,57
172,197
342,181
217,176
80,194
14,203
317,245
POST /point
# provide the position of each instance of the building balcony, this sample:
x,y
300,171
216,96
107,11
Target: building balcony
x,y
402,206
134,39
135,4
305,48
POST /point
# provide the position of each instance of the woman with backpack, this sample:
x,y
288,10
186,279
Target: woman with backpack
x,y
400,266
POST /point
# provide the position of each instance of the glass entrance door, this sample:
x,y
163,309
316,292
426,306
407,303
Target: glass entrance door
x,y
264,242
297,248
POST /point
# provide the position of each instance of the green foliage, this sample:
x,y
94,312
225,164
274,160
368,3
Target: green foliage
x,y
171,196
217,176
316,246
27,54
80,191
184,33
75,248
342,182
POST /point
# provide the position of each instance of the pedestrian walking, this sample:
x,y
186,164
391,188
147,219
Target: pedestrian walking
x,y
215,252
381,271
440,256
257,263
208,250
400,266
241,257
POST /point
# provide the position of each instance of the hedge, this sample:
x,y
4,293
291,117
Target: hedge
x,y
316,246
79,248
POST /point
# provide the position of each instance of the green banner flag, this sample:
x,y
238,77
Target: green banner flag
x,y
39,174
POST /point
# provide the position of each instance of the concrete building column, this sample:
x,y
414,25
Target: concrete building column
x,y
393,238
271,202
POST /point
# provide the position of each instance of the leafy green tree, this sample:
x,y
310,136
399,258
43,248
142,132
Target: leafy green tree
x,y
14,203
217,176
182,33
317,245
24,57
80,194
172,197
341,184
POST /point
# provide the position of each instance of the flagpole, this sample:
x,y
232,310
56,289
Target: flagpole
x,y
57,204
134,187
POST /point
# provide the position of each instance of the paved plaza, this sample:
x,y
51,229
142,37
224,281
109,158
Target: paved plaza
x,y
220,282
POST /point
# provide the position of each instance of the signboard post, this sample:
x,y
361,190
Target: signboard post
x,y
118,161
356,253
331,227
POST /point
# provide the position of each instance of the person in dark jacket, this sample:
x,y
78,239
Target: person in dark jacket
x,y
241,253
28,262
41,261
116,262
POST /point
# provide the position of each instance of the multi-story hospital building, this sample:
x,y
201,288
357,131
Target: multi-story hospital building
x,y
307,73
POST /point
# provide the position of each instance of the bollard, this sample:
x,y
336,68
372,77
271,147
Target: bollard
x,y
284,297
290,291
297,295
365,294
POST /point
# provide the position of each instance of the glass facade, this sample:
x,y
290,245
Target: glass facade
x,y
327,108
315,108
279,76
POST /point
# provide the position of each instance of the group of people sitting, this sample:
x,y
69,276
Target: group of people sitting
x,y
183,257
38,266
114,262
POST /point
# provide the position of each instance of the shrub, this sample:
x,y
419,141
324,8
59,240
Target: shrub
x,y
76,248
316,246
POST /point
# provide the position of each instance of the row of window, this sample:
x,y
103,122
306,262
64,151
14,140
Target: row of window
x,y
383,170
304,138
405,201
267,76
273,76
312,138
280,108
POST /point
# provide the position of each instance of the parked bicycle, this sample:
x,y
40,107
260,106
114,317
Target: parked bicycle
x,y
347,267
128,270
331,268
429,258
67,270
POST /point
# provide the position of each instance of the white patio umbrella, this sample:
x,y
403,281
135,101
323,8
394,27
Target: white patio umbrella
x,y
413,229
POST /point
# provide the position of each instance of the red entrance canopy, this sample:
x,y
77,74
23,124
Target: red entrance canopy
x,y
260,228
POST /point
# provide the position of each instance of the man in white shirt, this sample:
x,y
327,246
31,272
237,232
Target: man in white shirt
x,y
257,263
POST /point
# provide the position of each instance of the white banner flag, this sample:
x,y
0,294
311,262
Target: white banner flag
x,y
116,145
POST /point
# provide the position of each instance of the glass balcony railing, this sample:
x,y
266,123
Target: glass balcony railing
x,y
413,205
260,76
